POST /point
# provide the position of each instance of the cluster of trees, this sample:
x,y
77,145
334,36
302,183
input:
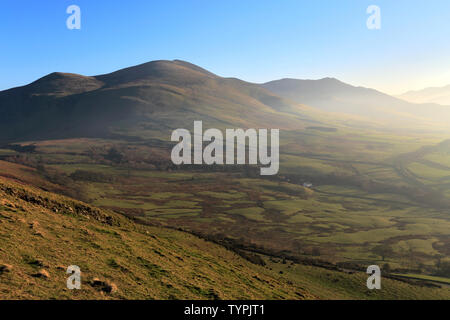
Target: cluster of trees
x,y
158,159
91,176
19,148
442,267
246,170
137,157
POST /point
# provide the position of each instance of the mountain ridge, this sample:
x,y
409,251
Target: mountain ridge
x,y
151,99
438,95
147,98
333,95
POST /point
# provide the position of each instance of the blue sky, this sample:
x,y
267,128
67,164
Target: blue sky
x,y
253,40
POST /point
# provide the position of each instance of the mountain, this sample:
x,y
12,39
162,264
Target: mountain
x,y
439,95
332,95
274,231
147,100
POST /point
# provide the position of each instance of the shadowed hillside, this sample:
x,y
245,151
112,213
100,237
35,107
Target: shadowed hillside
x,y
142,101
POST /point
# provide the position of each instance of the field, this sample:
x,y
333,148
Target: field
x,y
42,234
330,284
375,198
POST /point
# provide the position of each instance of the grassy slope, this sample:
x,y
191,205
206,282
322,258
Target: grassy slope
x,y
329,284
370,202
143,262
40,230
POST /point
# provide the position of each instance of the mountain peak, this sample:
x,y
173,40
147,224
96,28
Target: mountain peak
x,y
159,69
330,79
306,85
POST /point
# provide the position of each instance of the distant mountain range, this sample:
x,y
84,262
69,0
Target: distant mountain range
x,y
439,95
332,95
150,100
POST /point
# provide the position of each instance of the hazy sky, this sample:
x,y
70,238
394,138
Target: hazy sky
x,y
253,40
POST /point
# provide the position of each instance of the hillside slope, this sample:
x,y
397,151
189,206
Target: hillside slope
x,y
42,233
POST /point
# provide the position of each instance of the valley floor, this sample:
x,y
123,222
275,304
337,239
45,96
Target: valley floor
x,y
41,234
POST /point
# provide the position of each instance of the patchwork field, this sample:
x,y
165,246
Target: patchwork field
x,y
373,199
41,234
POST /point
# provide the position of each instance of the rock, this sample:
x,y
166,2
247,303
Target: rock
x,y
4,268
36,229
110,287
34,224
39,234
42,274
104,286
96,282
10,205
37,263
